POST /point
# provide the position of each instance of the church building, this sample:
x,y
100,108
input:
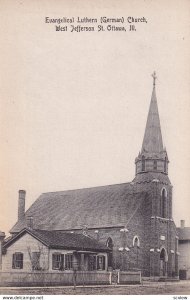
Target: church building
x,y
132,220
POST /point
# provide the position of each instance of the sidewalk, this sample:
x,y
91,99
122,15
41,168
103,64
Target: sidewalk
x,y
144,284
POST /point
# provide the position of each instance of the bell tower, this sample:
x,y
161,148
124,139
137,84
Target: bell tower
x,y
152,179
152,164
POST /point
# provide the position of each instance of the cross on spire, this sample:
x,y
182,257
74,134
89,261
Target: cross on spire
x,y
154,78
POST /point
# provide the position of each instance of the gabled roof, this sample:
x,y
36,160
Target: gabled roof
x,y
96,207
184,233
62,240
152,142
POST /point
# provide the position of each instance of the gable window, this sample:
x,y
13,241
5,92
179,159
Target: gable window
x,y
35,260
163,203
143,163
17,260
57,261
155,165
68,261
101,262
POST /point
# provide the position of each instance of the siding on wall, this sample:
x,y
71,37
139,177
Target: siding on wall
x,y
28,244
25,245
184,257
52,251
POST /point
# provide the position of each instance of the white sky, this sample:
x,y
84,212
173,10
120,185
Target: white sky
x,y
73,106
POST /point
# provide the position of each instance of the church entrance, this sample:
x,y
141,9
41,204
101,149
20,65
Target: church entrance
x,y
163,262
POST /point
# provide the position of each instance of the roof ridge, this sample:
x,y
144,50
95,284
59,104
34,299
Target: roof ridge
x,y
59,231
87,188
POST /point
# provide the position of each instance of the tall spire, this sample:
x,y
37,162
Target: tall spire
x,y
152,142
153,157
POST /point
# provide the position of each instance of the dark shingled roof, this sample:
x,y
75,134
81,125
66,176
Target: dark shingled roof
x,y
62,240
95,207
184,233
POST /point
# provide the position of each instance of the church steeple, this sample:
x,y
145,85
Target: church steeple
x,y
152,141
153,156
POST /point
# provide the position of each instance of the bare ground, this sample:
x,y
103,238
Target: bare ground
x,y
148,288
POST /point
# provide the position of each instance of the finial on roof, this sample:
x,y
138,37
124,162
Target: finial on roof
x,y
154,78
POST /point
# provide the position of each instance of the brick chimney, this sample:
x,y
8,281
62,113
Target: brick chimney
x,y
182,223
21,204
2,236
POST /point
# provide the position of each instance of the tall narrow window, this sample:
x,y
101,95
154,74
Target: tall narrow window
x,y
57,261
92,262
101,262
136,245
165,165
176,255
68,261
110,254
155,165
143,163
163,203
17,262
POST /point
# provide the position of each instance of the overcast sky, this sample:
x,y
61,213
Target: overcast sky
x,y
73,106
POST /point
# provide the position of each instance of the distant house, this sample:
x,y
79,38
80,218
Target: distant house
x,y
53,251
184,251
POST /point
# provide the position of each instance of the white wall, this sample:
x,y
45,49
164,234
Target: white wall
x,y
25,244
184,257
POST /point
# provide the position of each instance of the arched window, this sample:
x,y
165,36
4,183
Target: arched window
x,y
155,165
163,203
109,243
163,261
136,242
165,165
136,245
143,163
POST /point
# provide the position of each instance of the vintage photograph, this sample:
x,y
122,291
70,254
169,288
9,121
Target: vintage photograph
x,y
94,147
